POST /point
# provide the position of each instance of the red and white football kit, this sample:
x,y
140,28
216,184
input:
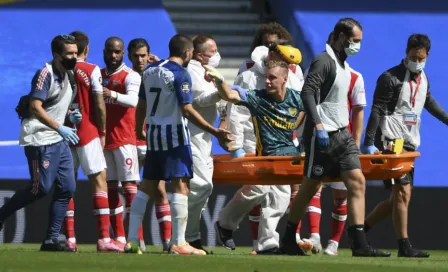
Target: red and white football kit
x,y
88,152
120,149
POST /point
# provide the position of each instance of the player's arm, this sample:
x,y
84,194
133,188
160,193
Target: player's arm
x,y
358,102
382,97
40,87
202,98
98,100
141,113
317,74
434,108
132,86
224,90
300,119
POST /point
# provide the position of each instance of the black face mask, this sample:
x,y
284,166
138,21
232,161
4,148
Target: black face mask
x,y
68,64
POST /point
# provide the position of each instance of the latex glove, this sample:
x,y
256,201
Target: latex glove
x,y
69,134
322,138
213,73
241,91
369,149
239,153
75,117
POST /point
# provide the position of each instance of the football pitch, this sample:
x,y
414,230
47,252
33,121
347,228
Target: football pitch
x,y
26,257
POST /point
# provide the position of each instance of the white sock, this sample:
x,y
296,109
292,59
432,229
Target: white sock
x,y
72,240
179,215
297,237
138,209
315,236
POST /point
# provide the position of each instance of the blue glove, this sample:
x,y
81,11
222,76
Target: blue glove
x,y
69,134
369,149
75,117
239,153
241,91
322,138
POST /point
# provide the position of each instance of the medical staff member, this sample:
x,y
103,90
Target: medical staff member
x,y
401,94
205,99
330,148
46,140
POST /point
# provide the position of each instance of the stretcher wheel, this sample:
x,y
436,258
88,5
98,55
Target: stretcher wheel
x,y
282,170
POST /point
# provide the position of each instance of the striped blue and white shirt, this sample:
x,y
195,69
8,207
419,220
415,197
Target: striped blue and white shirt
x,y
166,86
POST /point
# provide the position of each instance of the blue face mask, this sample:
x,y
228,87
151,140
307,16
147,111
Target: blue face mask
x,y
415,67
352,49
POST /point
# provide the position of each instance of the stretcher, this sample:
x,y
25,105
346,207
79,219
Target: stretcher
x,y
282,170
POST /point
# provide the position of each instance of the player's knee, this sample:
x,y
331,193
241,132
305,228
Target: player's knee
x,y
402,193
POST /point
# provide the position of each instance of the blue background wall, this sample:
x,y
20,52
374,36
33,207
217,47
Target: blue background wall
x,y
27,30
387,26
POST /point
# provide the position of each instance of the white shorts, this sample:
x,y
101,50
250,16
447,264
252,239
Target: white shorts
x,y
336,185
90,157
141,152
122,163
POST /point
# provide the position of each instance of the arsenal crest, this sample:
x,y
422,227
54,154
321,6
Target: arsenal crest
x,y
292,111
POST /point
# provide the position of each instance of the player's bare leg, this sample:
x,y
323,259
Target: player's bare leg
x,y
382,211
101,211
339,216
179,210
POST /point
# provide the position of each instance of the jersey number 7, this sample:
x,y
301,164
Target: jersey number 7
x,y
156,100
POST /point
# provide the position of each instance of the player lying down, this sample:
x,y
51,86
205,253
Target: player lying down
x,y
276,112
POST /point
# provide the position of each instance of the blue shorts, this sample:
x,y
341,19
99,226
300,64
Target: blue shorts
x,y
51,164
169,164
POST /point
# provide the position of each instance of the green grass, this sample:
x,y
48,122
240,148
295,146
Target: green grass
x,y
26,257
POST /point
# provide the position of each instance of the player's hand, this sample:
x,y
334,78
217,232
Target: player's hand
x,y
370,149
213,73
75,117
322,138
241,91
68,134
238,153
107,92
153,58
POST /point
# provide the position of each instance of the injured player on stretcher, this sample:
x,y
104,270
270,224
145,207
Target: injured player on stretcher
x,y
276,115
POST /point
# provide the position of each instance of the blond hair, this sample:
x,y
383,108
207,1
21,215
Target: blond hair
x,y
276,63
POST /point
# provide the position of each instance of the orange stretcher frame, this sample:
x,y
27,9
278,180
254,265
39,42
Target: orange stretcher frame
x,y
282,170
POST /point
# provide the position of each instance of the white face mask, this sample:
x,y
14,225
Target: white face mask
x,y
415,67
214,60
353,48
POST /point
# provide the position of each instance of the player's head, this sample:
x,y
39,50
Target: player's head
x,y
276,75
181,46
82,41
330,37
347,36
417,51
138,54
206,51
65,51
113,53
268,33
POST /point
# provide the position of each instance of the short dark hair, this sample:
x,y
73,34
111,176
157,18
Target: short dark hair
x,y
178,44
271,28
137,44
58,43
113,39
329,37
417,41
82,41
345,25
199,43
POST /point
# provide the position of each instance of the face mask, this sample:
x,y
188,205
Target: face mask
x,y
353,48
214,60
415,67
68,64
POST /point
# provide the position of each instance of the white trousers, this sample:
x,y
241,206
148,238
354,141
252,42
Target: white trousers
x,y
201,187
274,201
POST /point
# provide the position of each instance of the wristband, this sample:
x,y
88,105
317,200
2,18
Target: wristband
x,y
114,95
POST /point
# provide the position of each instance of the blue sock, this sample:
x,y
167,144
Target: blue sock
x,y
58,210
19,200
